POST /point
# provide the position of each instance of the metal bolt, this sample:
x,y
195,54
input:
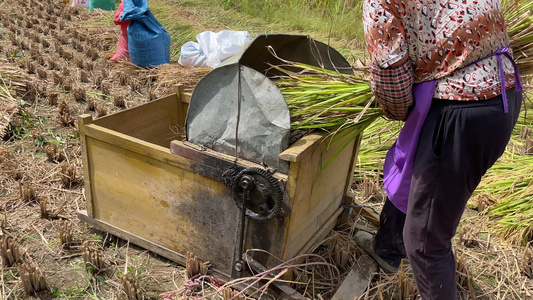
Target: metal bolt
x,y
247,182
238,266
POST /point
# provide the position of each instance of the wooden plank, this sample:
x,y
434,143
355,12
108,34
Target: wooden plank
x,y
319,192
317,187
361,210
151,122
289,194
356,283
321,233
135,145
215,163
301,148
182,113
343,218
305,235
141,242
83,121
186,97
185,100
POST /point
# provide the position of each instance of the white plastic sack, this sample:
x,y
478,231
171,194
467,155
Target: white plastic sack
x,y
215,47
81,3
192,55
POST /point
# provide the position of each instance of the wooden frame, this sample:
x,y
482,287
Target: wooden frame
x,y
137,189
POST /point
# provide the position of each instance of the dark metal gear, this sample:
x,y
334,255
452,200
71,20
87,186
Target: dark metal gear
x,y
264,196
228,177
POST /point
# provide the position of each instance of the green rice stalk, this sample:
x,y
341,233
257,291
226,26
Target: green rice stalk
x,y
326,100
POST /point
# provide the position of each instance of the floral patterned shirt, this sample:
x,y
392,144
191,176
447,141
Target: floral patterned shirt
x,y
442,39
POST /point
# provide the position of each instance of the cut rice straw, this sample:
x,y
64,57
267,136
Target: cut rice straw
x,y
249,285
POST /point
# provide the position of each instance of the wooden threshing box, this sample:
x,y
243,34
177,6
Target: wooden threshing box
x,y
171,204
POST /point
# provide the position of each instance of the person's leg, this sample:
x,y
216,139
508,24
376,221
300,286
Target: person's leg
x,y
458,143
388,243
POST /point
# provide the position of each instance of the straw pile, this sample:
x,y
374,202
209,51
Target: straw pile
x,y
10,82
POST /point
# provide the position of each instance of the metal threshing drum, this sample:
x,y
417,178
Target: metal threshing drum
x,y
261,116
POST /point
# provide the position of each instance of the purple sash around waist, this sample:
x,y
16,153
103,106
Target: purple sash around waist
x,y
398,167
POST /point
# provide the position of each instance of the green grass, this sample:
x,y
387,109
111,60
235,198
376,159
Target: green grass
x,y
341,18
339,25
180,31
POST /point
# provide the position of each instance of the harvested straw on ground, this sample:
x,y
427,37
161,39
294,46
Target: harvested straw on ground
x,y
514,210
10,82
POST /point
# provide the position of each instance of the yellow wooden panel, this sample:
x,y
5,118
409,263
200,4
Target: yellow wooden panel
x,y
152,122
301,147
318,192
84,120
161,203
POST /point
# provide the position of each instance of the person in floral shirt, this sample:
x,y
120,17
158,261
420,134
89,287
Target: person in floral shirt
x,y
444,67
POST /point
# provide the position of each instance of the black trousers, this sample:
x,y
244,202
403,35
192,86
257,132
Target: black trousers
x,y
459,142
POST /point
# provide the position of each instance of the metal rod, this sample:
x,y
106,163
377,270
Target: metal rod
x,y
239,96
243,221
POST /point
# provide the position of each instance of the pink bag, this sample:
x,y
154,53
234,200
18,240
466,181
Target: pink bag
x,y
122,50
81,3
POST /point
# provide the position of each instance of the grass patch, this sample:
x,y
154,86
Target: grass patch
x,y
340,18
180,32
340,26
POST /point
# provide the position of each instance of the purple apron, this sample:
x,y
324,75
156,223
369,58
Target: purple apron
x,y
398,167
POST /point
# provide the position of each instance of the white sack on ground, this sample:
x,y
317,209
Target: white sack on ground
x,y
213,48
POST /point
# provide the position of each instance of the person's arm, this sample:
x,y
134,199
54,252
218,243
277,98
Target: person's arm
x,y
391,73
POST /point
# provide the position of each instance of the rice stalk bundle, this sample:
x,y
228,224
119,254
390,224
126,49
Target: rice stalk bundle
x,y
406,285
196,266
92,257
318,99
9,251
326,100
65,234
379,137
465,280
515,210
130,286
